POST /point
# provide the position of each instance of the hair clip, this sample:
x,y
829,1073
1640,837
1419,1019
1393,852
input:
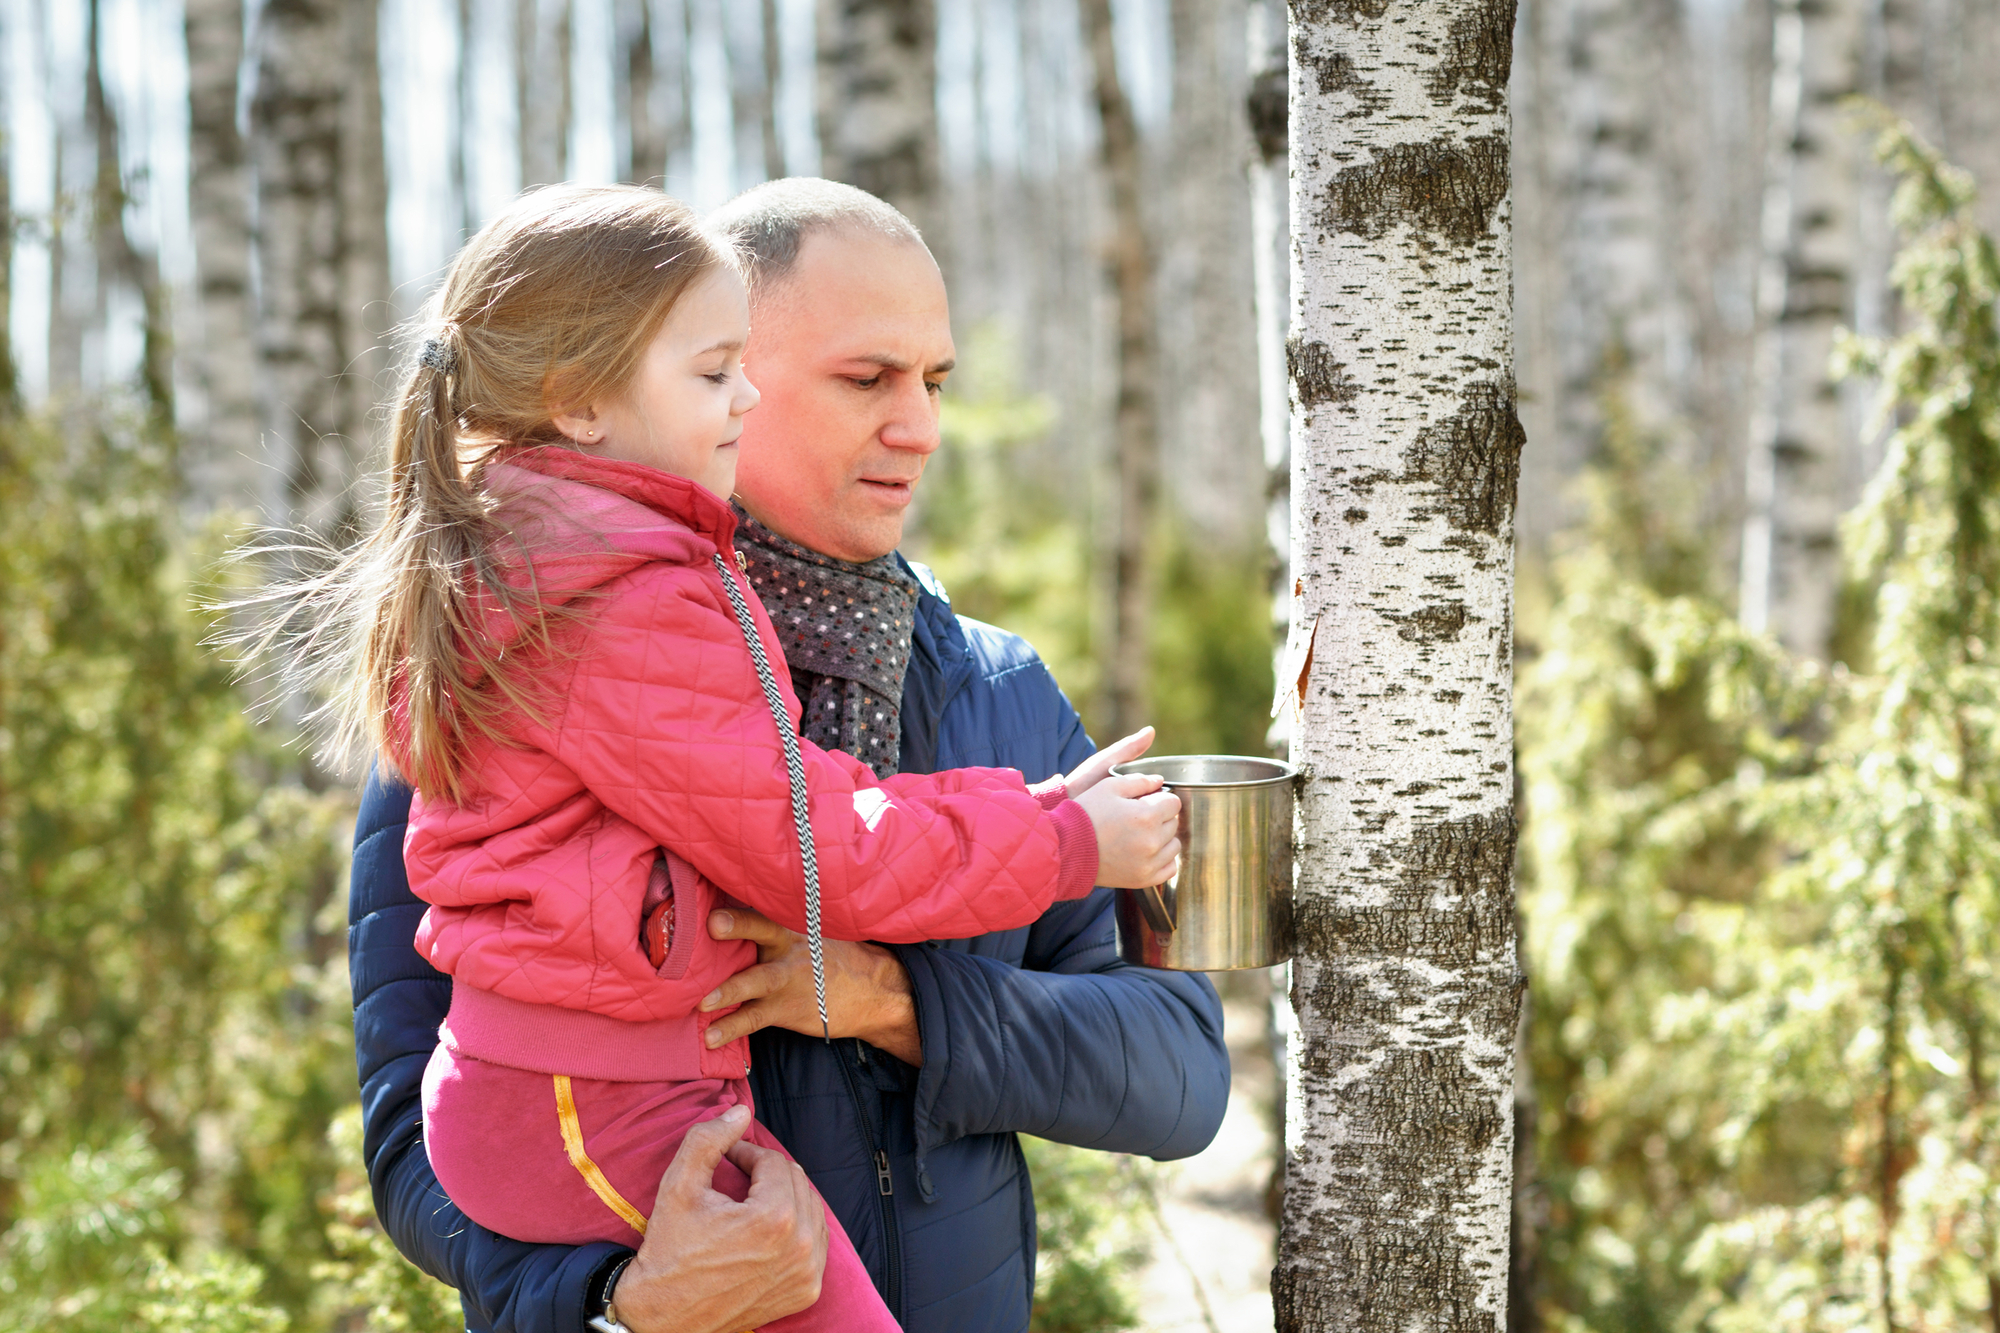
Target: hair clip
x,y
437,355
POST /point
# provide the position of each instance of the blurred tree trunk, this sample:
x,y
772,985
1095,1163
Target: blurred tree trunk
x,y
1270,256
10,378
463,116
1130,255
656,55
878,104
773,50
1406,453
542,88
1199,217
749,93
322,194
118,261
1800,465
223,466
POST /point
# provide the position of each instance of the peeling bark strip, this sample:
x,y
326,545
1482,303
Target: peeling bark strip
x,y
1399,1128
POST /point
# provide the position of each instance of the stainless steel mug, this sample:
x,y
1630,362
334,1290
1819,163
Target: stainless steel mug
x,y
1231,904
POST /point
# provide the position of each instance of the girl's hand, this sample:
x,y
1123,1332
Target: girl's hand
x,y
1094,769
1135,822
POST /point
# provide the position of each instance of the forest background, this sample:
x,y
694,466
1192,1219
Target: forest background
x,y
1758,746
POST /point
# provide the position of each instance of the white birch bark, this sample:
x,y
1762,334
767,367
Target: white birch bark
x,y
750,96
1801,461
877,103
1129,253
323,254
542,88
224,452
1209,442
10,379
1399,1133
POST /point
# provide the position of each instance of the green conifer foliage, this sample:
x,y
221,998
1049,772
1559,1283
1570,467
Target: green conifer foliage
x,y
1764,895
174,1018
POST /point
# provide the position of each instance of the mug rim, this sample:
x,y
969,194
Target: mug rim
x,y
1286,770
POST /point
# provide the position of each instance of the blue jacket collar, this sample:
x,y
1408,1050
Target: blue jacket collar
x,y
940,666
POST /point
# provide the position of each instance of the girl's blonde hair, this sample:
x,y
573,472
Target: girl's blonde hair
x,y
549,308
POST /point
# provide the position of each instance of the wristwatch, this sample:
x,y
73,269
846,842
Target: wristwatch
x,y
601,1305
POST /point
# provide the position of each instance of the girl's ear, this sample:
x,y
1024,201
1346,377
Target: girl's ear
x,y
581,426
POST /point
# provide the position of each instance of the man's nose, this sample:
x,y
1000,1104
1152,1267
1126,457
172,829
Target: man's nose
x,y
913,420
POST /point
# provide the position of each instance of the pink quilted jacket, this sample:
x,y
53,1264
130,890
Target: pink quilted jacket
x,y
656,749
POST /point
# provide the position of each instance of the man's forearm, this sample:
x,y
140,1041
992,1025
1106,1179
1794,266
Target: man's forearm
x,y
1119,1058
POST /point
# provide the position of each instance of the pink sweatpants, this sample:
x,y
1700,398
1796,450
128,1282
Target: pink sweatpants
x,y
495,1139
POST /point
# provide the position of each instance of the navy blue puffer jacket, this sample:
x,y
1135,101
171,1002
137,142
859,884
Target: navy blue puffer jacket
x,y
1040,1030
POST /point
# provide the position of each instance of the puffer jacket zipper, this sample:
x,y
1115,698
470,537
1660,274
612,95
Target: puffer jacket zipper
x,y
885,1186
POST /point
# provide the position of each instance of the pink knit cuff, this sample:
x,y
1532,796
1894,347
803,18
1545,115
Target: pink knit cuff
x,y
1051,792
1076,844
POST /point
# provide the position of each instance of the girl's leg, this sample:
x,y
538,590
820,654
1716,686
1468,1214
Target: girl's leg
x,y
848,1301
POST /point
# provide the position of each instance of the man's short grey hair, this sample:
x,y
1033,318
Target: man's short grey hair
x,y
769,222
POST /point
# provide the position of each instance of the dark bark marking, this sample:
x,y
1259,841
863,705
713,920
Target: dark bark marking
x,y
1349,12
1316,377
1269,105
1425,1117
1472,459
1479,56
1445,188
1440,623
1354,515
1334,73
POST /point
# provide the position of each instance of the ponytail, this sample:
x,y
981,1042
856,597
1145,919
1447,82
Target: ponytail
x,y
550,305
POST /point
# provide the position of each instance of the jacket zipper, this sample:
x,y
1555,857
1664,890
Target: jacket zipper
x,y
885,1190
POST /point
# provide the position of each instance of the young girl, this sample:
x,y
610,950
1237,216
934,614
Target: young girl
x,y
555,644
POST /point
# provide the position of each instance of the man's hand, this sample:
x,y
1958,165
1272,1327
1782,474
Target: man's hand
x,y
712,1265
867,990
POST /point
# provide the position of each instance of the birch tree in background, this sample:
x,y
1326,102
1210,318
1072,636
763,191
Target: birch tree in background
x,y
542,89
877,103
1802,465
1129,251
322,204
10,380
119,262
654,34
221,454
1406,448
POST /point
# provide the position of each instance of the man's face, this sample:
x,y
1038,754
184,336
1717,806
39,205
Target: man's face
x,y
849,352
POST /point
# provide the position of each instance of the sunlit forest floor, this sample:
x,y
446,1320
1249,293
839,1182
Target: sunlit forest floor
x,y
1210,1271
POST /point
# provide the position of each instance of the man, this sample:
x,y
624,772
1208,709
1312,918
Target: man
x,y
943,1052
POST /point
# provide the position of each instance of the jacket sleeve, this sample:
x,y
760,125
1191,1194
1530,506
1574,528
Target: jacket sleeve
x,y
666,724
399,1000
1074,1045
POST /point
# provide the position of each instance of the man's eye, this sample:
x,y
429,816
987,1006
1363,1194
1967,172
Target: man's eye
x,y
868,383
935,386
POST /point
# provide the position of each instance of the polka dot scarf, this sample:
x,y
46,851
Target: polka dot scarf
x,y
846,632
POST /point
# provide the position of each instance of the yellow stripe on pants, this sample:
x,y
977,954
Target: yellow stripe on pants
x,y
593,1176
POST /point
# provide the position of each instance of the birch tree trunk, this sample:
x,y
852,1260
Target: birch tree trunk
x,y
1130,254
1399,1133
317,148
222,465
119,263
878,103
750,95
542,88
1801,463
10,377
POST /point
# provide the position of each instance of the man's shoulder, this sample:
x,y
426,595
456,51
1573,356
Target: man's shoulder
x,y
993,652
